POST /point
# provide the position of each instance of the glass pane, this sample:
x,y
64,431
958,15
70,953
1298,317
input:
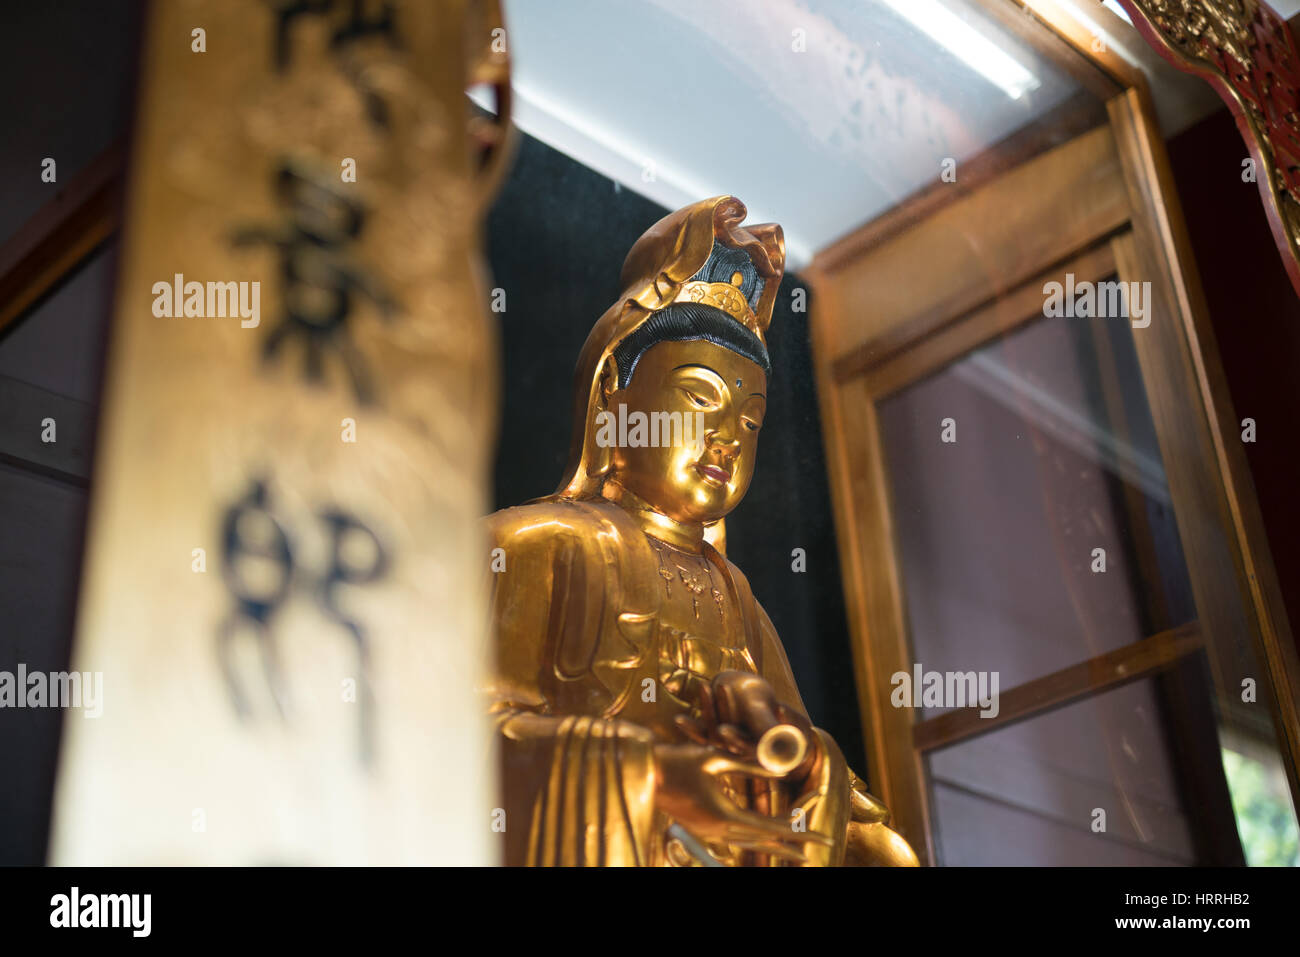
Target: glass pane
x,y
998,530
1035,531
1087,784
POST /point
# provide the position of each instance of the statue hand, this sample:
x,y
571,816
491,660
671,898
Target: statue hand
x,y
737,709
689,789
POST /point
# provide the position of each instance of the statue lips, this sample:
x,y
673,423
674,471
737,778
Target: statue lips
x,y
714,475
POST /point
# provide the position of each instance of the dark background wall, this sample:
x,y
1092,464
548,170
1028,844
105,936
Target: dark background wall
x,y
556,241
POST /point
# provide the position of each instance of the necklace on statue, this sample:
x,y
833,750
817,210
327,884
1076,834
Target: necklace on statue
x,y
695,585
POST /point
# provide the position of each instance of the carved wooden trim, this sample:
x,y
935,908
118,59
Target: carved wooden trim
x,y
1248,54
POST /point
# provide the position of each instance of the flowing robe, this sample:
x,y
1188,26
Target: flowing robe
x,y
591,670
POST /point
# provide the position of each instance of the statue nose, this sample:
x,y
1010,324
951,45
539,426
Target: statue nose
x,y
715,440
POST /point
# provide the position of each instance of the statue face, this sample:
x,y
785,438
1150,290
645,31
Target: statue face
x,y
704,479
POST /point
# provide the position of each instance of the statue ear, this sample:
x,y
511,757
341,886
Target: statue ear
x,y
599,460
608,383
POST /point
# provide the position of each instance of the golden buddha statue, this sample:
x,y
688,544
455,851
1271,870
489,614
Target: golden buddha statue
x,y
646,712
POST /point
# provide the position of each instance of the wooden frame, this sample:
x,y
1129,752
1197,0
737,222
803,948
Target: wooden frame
x,y
61,235
1101,204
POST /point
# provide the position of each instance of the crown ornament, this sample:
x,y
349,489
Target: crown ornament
x,y
703,254
736,296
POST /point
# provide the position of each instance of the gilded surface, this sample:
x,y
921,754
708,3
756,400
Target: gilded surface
x,y
646,711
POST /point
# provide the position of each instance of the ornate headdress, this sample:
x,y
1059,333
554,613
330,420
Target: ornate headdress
x,y
700,254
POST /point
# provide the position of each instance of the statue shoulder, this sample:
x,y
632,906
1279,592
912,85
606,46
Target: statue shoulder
x,y
734,570
550,523
746,593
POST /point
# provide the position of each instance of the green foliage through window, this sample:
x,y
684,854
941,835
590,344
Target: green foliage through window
x,y
1262,805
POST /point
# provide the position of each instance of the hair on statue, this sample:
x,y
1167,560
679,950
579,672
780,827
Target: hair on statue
x,y
682,322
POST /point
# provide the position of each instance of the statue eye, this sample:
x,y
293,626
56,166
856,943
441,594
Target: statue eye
x,y
752,425
696,399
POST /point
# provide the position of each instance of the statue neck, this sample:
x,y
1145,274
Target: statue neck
x,y
653,522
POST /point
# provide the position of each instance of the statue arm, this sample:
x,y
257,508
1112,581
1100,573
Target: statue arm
x,y
578,788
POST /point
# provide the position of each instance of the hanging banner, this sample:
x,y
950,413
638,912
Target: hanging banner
x,y
282,588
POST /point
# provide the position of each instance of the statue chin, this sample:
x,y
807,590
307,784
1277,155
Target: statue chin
x,y
699,505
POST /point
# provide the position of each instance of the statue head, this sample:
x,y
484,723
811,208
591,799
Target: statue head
x,y
687,336
716,386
